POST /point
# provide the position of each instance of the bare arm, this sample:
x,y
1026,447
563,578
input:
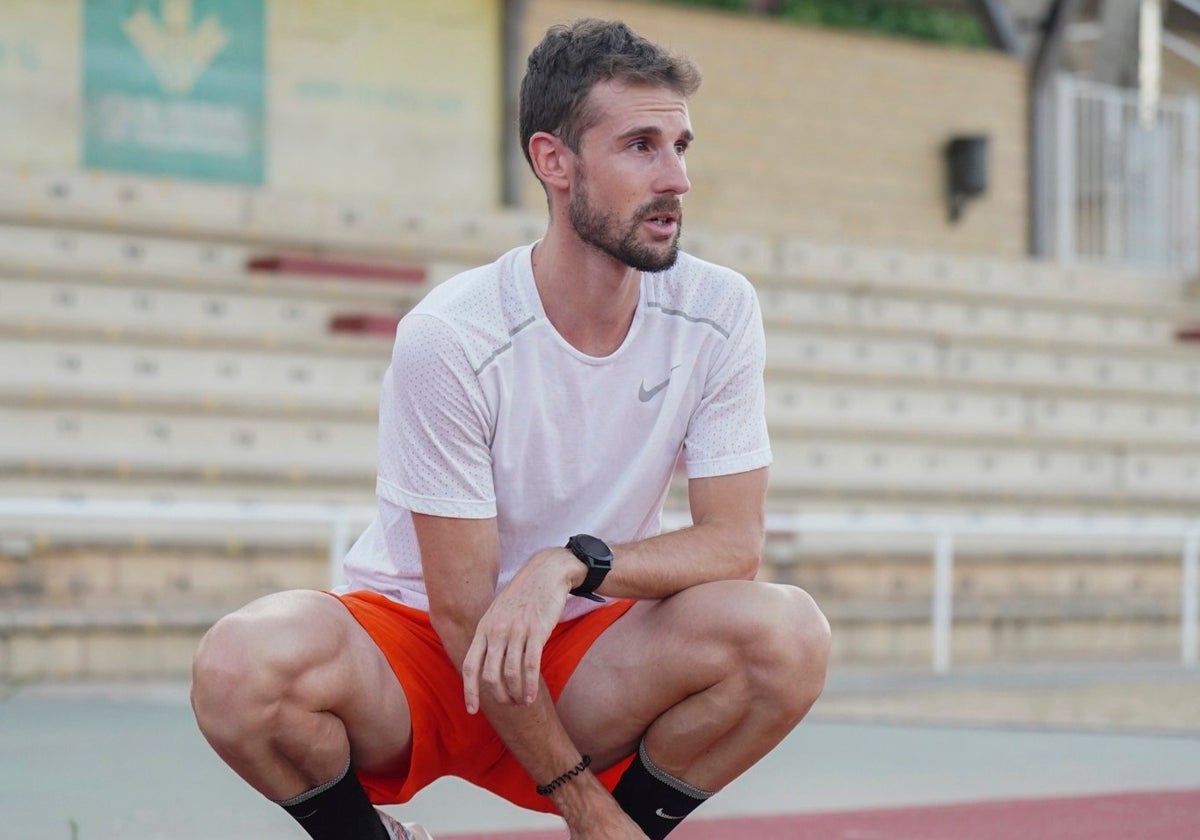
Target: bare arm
x,y
724,542
461,560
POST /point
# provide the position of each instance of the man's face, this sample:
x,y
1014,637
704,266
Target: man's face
x,y
630,173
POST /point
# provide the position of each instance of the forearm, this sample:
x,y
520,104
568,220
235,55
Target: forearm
x,y
668,563
725,543
534,734
496,640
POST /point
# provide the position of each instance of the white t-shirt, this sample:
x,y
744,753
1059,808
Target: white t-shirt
x,y
487,411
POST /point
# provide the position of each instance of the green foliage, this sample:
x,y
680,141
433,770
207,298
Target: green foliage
x,y
887,17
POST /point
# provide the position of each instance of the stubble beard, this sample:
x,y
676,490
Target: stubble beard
x,y
602,230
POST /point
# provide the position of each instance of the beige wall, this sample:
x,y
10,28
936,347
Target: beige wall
x,y
398,100
416,118
833,136
40,70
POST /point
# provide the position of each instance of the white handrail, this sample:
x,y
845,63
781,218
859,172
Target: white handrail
x,y
184,511
943,600
944,528
1191,559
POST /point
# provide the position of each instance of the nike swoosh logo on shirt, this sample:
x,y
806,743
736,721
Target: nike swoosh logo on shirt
x,y
646,394
666,816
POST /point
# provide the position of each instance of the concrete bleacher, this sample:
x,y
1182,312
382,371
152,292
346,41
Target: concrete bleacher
x,y
1008,321
144,374
178,342
934,383
186,446
248,216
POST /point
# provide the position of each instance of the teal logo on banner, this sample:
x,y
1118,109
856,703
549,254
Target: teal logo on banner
x,y
175,87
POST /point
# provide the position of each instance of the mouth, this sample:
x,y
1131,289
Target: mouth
x,y
662,224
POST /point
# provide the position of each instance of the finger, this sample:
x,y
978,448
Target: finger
x,y
513,673
493,661
533,669
472,664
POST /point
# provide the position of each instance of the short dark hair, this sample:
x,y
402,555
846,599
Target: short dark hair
x,y
572,58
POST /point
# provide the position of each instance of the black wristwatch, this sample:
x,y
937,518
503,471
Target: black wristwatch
x,y
598,557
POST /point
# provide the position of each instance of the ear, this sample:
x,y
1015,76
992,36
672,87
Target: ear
x,y
552,160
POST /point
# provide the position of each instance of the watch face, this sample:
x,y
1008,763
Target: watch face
x,y
597,549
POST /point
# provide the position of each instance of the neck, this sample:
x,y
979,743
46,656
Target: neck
x,y
589,297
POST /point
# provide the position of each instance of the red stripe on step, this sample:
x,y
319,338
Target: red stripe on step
x,y
325,267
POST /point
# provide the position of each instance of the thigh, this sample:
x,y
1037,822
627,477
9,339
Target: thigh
x,y
326,662
660,653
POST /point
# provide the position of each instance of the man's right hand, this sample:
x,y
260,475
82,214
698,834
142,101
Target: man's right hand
x,y
591,813
619,828
505,656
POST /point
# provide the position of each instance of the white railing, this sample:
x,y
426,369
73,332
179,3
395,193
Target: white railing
x,y
942,531
340,519
1124,191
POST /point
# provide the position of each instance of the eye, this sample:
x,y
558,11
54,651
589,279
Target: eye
x,y
640,146
680,148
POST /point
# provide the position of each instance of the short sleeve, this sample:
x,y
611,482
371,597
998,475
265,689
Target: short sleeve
x,y
434,426
727,433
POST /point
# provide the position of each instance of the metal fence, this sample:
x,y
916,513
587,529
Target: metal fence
x,y
345,522
1124,190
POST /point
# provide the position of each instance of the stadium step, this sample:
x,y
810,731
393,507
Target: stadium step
x,y
138,610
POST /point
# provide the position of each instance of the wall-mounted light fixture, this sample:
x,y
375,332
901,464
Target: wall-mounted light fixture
x,y
966,158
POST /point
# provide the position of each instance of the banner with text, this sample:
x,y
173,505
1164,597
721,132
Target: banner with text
x,y
175,87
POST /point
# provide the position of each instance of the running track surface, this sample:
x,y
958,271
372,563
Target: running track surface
x,y
1167,815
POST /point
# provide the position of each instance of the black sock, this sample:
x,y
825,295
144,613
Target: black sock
x,y
337,810
653,799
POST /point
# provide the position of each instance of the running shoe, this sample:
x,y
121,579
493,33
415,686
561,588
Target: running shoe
x,y
402,831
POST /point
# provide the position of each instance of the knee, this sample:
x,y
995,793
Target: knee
x,y
228,680
246,666
790,649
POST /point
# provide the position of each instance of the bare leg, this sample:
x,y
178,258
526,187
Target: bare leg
x,y
714,678
289,687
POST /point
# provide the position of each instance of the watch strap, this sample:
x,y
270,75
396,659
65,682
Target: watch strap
x,y
587,589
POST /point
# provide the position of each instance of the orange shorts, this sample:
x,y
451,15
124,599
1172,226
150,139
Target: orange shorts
x,y
446,740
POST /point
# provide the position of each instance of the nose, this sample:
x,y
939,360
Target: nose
x,y
673,178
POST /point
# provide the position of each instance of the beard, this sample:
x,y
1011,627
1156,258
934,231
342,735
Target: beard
x,y
605,232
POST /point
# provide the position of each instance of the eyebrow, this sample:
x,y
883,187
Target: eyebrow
x,y
653,131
